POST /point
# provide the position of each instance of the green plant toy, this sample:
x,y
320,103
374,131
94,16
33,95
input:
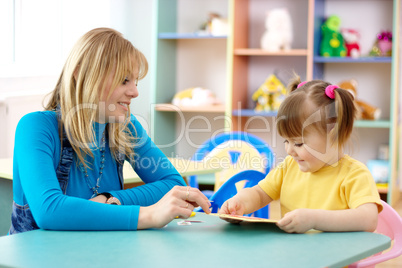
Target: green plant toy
x,y
332,42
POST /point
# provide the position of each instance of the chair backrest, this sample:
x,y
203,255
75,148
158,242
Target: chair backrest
x,y
236,150
228,190
389,224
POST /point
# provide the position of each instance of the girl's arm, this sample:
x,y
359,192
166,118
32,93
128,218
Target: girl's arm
x,y
246,201
362,218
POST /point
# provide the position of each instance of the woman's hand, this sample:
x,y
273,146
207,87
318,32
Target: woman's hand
x,y
99,199
178,202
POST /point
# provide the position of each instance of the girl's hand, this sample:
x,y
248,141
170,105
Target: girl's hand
x,y
297,221
232,206
178,202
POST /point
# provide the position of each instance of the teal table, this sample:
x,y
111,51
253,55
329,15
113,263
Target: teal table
x,y
209,243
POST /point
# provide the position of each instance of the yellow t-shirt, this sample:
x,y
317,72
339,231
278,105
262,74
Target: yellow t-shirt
x,y
347,184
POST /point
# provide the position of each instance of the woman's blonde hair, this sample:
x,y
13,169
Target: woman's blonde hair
x,y
98,55
308,108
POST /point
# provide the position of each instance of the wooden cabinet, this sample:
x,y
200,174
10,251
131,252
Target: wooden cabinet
x,y
252,65
377,76
237,64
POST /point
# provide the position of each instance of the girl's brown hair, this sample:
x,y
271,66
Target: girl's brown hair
x,y
307,108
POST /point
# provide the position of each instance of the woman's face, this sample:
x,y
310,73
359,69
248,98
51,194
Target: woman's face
x,y
115,108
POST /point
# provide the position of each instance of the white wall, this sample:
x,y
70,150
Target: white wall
x,y
21,92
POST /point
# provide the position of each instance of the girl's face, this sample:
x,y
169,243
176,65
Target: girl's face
x,y
115,108
312,152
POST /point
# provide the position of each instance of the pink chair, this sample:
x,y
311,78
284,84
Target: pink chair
x,y
389,224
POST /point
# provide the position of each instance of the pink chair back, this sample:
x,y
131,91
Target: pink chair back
x,y
389,224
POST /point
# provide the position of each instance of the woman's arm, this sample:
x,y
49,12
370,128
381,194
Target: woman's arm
x,y
362,218
153,167
35,160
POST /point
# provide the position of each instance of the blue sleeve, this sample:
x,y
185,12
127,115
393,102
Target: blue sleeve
x,y
153,167
37,146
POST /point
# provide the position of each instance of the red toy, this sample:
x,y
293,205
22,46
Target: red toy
x,y
351,37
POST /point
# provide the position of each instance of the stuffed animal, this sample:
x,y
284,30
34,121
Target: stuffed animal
x,y
279,33
351,38
332,42
196,96
383,45
215,25
366,111
269,95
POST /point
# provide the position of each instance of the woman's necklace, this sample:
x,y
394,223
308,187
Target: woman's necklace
x,y
101,166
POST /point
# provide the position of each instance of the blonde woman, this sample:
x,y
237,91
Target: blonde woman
x,y
68,159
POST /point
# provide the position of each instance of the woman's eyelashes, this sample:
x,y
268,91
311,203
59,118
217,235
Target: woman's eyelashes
x,y
126,80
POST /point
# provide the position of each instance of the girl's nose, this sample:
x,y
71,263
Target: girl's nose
x,y
290,149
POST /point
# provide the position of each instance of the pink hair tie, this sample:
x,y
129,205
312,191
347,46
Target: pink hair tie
x,y
330,91
301,84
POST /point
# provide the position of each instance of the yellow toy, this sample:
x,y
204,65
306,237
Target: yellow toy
x,y
269,95
196,96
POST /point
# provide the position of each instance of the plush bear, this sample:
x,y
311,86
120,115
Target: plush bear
x,y
366,111
269,95
196,96
332,42
351,38
278,34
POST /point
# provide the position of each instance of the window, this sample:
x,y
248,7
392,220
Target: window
x,y
40,33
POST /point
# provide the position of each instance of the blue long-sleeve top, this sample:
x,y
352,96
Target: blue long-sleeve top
x,y
36,158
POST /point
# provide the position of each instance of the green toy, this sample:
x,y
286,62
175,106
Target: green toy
x,y
332,42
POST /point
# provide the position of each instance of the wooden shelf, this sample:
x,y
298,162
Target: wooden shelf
x,y
189,36
251,112
382,188
358,123
320,59
373,123
168,107
262,52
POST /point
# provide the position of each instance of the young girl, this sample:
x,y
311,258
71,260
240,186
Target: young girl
x,y
68,160
319,186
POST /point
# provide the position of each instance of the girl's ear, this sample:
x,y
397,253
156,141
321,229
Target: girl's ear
x,y
333,133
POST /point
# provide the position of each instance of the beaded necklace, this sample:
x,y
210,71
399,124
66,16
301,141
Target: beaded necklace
x,y
102,165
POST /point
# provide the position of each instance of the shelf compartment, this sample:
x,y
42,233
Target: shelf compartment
x,y
262,52
358,123
251,112
373,123
320,59
189,36
168,107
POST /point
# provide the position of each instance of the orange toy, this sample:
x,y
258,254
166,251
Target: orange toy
x,y
366,111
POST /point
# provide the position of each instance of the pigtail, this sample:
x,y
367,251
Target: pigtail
x,y
294,82
346,114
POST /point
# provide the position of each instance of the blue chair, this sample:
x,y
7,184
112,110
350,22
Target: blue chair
x,y
234,148
228,190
